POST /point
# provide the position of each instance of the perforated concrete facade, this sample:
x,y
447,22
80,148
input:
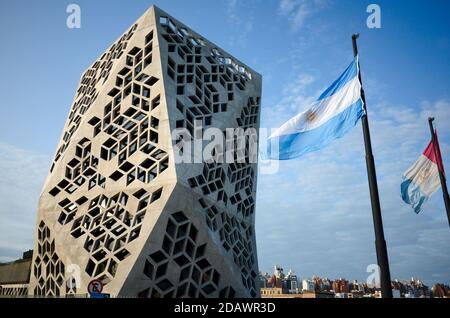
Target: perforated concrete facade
x,y
115,202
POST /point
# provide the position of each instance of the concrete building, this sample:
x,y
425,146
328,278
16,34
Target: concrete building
x,y
277,293
270,292
15,277
341,286
314,294
116,205
308,285
264,280
291,282
396,293
278,272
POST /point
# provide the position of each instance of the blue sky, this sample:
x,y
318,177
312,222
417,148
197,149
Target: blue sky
x,y
313,215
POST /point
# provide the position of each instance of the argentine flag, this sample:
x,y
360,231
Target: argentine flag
x,y
334,113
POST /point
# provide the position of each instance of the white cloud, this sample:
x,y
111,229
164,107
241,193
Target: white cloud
x,y
286,6
439,110
298,11
296,97
240,15
232,11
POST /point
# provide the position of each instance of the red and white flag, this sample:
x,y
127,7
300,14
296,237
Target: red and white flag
x,y
421,180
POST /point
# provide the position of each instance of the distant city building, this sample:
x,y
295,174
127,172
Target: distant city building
x,y
291,282
279,284
317,294
278,272
263,280
413,288
396,293
283,286
321,284
354,286
376,294
340,286
271,291
308,285
441,291
15,276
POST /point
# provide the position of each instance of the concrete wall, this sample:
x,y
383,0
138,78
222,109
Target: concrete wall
x,y
116,206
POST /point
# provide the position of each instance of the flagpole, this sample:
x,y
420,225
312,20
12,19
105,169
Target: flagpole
x,y
441,174
380,243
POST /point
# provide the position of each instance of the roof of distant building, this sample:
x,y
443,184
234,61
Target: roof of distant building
x,y
17,272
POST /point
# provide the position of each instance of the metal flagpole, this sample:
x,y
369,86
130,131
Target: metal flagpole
x,y
441,173
380,243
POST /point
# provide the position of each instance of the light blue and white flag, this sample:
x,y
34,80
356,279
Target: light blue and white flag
x,y
334,113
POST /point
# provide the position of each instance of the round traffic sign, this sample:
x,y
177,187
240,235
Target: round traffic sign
x,y
95,286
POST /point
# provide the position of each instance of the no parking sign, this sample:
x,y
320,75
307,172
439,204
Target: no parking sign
x,y
95,287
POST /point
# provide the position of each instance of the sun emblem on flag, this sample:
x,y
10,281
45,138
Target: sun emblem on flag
x,y
423,174
311,115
